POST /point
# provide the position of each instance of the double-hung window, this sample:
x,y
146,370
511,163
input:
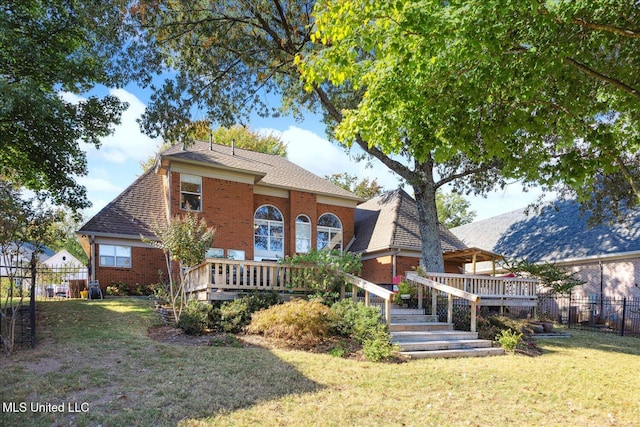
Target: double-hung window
x,y
190,192
115,256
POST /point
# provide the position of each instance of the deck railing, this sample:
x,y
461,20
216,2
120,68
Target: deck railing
x,y
371,289
450,291
478,290
226,274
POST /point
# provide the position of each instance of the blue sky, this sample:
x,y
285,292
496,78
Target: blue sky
x,y
114,166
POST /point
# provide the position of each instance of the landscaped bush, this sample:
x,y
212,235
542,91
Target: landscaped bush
x,y
364,324
235,315
195,318
120,289
509,340
299,323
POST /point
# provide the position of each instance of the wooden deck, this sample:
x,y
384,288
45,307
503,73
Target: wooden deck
x,y
216,279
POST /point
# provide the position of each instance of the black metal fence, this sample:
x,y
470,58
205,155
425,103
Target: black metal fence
x,y
613,315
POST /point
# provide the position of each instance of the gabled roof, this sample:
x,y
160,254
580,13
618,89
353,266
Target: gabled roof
x,y
390,221
268,169
134,212
556,234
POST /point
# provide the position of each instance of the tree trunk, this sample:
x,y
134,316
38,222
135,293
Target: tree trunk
x,y
425,193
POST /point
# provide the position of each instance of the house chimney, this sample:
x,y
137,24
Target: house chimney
x,y
210,141
233,147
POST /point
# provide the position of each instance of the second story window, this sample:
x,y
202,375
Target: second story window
x,y
190,192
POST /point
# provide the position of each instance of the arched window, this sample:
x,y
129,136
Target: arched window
x,y
268,235
329,232
303,234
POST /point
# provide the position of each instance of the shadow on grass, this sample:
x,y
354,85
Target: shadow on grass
x,y
99,353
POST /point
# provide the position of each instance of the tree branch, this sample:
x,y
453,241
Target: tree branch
x,y
614,82
624,32
635,185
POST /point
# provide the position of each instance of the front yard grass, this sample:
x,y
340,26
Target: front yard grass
x,y
99,352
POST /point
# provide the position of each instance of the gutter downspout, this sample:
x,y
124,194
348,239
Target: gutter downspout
x,y
92,246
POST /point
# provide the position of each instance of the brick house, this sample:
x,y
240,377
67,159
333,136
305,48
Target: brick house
x,y
388,239
606,256
262,206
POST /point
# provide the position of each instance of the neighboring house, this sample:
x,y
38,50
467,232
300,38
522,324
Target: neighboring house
x,y
20,254
388,239
262,206
607,257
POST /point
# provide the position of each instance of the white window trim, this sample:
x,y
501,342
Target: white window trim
x,y
268,253
102,251
195,180
308,225
332,231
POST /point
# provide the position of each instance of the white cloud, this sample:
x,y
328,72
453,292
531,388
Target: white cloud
x,y
318,155
99,184
127,143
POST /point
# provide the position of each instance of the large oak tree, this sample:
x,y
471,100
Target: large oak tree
x,y
470,93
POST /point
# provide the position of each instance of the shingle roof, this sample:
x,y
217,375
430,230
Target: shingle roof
x,y
391,221
134,212
271,170
553,235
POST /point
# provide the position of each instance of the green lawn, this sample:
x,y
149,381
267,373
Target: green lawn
x,y
99,353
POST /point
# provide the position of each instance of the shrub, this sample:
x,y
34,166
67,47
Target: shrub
x,y
299,323
325,272
405,288
235,315
364,324
120,289
195,317
509,339
378,348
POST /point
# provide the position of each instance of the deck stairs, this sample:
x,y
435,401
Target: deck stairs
x,y
421,336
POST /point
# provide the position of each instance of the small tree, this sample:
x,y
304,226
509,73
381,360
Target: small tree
x,y
185,239
551,276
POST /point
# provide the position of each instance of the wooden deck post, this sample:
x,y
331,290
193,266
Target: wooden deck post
x,y
473,316
450,309
366,298
387,310
420,295
434,301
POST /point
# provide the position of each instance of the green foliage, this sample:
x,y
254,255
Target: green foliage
x,y
195,317
325,271
405,288
453,209
236,315
184,239
341,350
227,340
364,188
365,325
300,323
118,289
552,276
509,339
48,50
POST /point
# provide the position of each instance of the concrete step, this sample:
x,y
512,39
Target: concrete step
x,y
420,326
442,345
420,336
413,318
468,352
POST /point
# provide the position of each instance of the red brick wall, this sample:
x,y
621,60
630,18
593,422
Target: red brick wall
x,y
227,206
378,270
145,263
